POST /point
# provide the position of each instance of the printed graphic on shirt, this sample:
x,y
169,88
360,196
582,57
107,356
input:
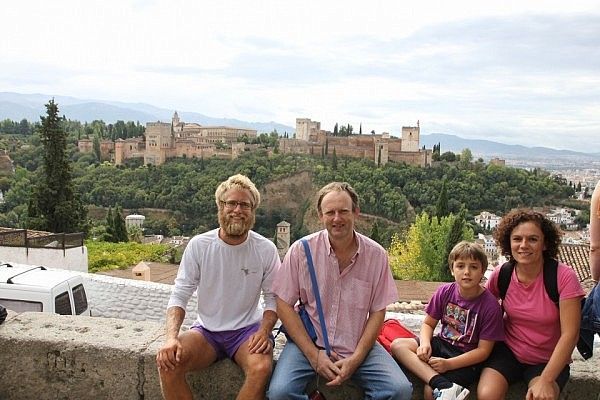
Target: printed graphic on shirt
x,y
458,324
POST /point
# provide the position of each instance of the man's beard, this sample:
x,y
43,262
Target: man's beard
x,y
236,228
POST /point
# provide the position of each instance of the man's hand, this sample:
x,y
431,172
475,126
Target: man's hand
x,y
260,342
324,366
169,355
347,367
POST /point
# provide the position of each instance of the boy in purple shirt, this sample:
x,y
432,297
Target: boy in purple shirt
x,y
471,323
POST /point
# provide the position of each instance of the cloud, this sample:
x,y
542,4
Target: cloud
x,y
499,68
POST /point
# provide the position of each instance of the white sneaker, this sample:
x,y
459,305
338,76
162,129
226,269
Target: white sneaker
x,y
456,392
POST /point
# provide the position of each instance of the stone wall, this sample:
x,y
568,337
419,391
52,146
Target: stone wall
x,y
48,356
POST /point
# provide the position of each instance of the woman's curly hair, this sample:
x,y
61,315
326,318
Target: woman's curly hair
x,y
552,233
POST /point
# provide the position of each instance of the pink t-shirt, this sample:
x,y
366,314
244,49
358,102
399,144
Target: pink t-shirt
x,y
532,320
365,286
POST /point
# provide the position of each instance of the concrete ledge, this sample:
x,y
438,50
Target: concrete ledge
x,y
47,356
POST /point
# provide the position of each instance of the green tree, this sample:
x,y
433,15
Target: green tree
x,y
421,254
441,207
135,234
465,158
24,128
334,160
109,235
448,156
54,205
97,151
120,230
375,232
455,235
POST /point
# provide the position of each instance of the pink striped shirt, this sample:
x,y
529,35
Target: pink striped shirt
x,y
365,286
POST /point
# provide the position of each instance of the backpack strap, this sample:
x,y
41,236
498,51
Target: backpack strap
x,y
504,275
551,279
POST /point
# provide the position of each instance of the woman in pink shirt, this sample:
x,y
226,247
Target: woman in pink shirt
x,y
540,337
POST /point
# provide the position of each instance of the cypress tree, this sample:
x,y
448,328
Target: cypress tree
x,y
375,235
110,226
97,151
54,205
441,208
334,160
454,236
119,226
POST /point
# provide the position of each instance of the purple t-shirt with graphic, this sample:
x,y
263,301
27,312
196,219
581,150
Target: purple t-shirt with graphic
x,y
465,322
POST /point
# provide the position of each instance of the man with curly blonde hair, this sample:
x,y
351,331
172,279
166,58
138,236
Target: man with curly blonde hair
x,y
228,267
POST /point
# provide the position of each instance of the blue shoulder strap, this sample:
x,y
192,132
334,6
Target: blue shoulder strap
x,y
313,278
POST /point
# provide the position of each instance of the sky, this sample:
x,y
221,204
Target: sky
x,y
517,72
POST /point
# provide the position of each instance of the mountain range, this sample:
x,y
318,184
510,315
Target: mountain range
x,y
16,106
488,149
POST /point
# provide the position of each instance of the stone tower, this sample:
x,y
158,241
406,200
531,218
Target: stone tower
x,y
410,137
283,238
381,155
119,158
175,119
305,128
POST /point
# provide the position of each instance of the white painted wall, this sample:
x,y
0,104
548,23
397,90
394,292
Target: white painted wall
x,y
112,297
74,259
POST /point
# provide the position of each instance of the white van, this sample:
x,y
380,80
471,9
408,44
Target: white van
x,y
36,288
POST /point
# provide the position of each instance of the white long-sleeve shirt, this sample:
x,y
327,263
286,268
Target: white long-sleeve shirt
x,y
228,280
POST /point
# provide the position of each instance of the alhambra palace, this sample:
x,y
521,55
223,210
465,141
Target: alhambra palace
x,y
191,140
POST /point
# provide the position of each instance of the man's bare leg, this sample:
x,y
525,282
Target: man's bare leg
x,y
196,354
257,368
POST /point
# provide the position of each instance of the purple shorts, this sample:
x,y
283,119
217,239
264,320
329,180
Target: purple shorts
x,y
226,343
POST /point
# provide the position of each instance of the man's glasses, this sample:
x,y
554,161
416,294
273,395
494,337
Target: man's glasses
x,y
232,204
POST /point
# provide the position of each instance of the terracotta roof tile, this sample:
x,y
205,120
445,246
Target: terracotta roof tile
x,y
578,257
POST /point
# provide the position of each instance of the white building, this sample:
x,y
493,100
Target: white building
x,y
134,220
563,216
489,245
487,220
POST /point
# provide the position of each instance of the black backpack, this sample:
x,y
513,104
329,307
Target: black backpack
x,y
585,345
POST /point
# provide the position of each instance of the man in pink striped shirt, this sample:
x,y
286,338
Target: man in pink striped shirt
x,y
355,285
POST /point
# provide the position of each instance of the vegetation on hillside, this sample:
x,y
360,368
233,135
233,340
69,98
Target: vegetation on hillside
x,y
443,197
423,254
103,256
186,186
